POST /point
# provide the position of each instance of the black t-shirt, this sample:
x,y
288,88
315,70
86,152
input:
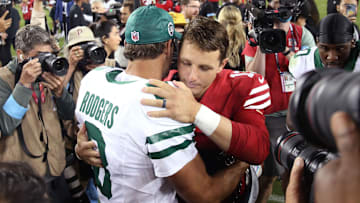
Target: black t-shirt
x,y
76,17
14,25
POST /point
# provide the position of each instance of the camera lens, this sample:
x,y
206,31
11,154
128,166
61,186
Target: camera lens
x,y
272,41
93,54
97,55
311,108
292,144
60,66
53,64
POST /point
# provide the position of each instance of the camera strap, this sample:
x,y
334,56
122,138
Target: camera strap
x,y
42,121
21,135
42,94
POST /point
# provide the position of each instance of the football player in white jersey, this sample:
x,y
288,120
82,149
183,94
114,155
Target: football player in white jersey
x,y
335,48
143,159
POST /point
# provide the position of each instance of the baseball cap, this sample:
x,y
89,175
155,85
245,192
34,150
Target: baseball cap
x,y
80,34
335,29
149,25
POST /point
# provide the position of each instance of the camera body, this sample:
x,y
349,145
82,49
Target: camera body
x,y
262,20
317,96
51,63
93,54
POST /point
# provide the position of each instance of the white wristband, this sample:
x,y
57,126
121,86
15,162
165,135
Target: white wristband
x,y
207,120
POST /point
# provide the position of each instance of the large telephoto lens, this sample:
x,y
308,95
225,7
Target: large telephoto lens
x,y
292,144
317,96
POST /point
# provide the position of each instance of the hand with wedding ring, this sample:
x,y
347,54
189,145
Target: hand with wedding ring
x,y
76,54
178,102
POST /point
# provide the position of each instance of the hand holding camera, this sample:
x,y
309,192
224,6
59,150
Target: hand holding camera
x,y
52,67
54,83
339,180
30,72
76,54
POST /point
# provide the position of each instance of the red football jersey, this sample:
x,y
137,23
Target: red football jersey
x,y
242,98
26,10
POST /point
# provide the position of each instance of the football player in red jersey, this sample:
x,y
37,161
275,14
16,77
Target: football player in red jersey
x,y
226,106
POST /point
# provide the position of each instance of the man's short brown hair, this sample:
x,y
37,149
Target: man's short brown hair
x,y
208,35
143,51
129,5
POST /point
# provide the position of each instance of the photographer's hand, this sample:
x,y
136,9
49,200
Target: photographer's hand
x,y
294,190
339,180
76,54
31,70
5,24
54,83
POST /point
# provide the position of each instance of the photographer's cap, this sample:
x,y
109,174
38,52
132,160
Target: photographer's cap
x,y
149,25
80,34
335,29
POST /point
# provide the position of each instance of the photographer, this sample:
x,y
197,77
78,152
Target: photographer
x,y
335,48
32,102
80,42
338,181
349,9
274,67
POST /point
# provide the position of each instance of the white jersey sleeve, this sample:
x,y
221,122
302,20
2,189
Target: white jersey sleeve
x,y
302,62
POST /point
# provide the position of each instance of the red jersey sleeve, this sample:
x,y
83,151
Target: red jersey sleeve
x,y
250,138
249,50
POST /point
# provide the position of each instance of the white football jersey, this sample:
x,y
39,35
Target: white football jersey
x,y
137,151
309,59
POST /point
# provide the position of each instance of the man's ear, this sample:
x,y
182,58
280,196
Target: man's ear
x,y
20,55
168,48
103,38
353,43
222,65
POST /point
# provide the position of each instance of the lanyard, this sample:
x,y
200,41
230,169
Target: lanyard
x,y
292,39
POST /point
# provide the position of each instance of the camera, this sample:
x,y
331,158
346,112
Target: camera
x,y
317,96
93,54
262,19
113,13
51,63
